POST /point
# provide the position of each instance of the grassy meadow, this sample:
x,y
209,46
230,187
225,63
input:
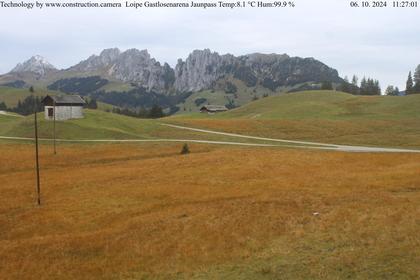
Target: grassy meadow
x,y
322,116
144,211
147,212
11,96
102,125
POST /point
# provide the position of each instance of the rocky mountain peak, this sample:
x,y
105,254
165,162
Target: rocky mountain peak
x,y
133,66
36,64
200,70
203,68
109,55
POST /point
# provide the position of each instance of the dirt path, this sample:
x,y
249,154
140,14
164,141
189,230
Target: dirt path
x,y
307,145
285,143
4,113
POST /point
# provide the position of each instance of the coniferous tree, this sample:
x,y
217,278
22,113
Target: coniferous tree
x,y
376,89
409,84
29,105
3,106
156,112
363,86
345,86
416,80
326,85
370,87
92,104
355,80
350,87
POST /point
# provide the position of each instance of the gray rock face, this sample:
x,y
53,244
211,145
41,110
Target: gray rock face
x,y
200,71
36,65
97,63
132,66
282,70
203,68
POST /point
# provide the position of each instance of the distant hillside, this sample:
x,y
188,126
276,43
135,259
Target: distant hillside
x,y
11,96
328,105
321,116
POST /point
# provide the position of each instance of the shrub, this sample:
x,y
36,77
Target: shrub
x,y
185,149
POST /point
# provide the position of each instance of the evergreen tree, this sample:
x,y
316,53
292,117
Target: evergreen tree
x,y
376,89
345,86
409,84
416,80
3,106
326,85
156,112
355,80
370,87
350,87
92,104
363,86
29,105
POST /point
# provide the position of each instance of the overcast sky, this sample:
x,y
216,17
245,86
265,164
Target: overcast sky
x,y
380,43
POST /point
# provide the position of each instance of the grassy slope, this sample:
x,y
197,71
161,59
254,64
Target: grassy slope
x,y
102,125
7,122
219,97
11,96
146,212
331,106
330,117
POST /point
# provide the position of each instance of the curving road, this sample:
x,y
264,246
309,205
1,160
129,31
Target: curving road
x,y
306,144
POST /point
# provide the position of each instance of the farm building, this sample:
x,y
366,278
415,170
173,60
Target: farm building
x,y
63,107
213,109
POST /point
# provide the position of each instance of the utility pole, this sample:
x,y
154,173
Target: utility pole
x,y
55,149
38,185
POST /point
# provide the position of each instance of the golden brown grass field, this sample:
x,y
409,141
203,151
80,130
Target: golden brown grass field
x,y
147,212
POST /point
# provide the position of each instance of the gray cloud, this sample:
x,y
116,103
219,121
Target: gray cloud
x,y
380,43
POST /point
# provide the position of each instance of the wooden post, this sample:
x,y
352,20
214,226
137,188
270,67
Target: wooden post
x,y
55,149
38,186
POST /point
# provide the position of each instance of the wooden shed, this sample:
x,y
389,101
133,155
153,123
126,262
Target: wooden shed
x,y
213,109
64,107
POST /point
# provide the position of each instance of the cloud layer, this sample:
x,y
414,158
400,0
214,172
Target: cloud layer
x,y
381,43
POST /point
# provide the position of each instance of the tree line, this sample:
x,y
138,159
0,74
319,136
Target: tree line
x,y
153,113
367,86
370,86
32,104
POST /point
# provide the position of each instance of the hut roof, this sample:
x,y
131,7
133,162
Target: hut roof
x,y
64,100
214,108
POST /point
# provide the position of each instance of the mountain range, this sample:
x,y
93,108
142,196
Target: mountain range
x,y
135,73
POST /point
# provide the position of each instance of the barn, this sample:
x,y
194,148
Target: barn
x,y
64,107
213,109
